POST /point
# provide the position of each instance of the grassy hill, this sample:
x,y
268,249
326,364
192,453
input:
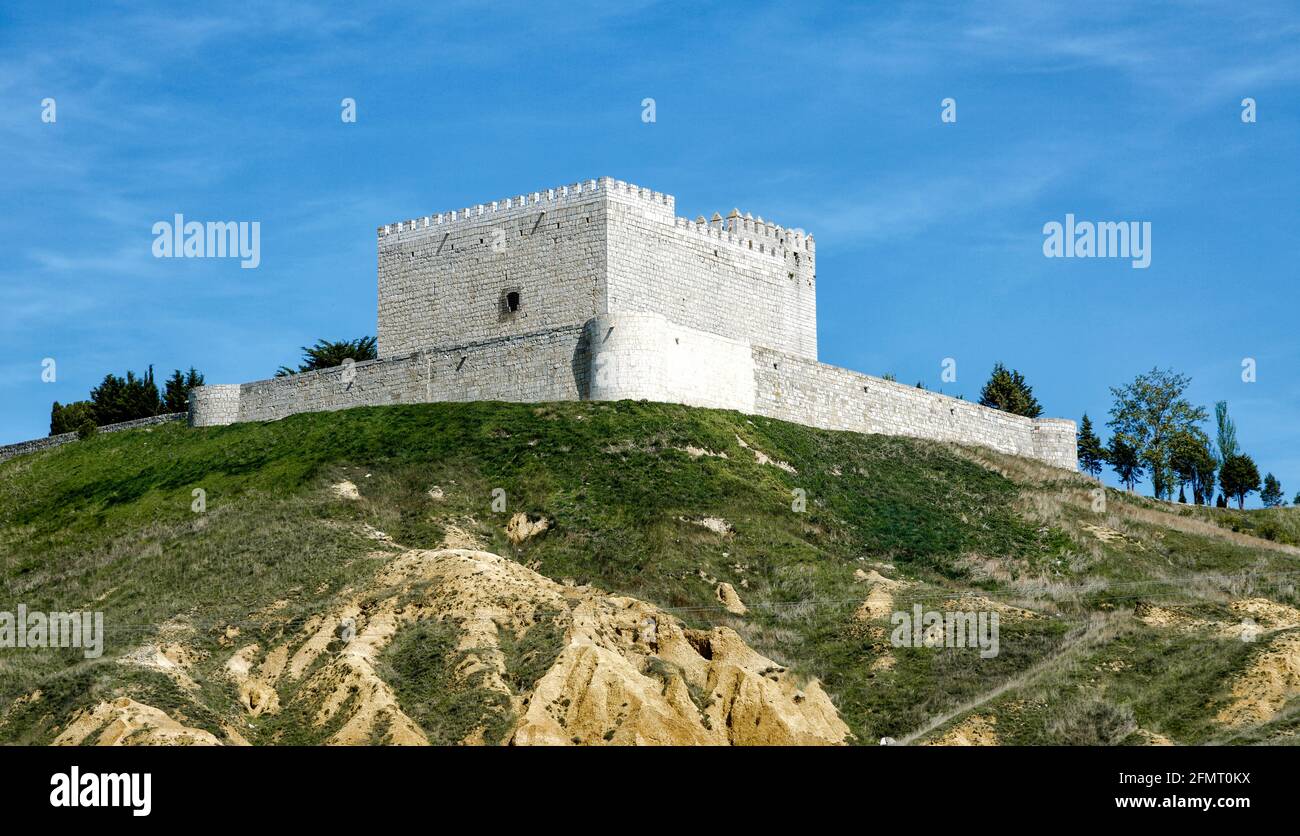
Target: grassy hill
x,y
1121,618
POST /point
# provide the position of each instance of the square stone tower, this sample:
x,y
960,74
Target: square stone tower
x,y
557,259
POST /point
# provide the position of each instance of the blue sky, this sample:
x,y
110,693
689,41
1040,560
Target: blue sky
x,y
819,116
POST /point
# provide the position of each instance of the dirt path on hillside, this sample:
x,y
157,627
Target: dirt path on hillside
x,y
1081,638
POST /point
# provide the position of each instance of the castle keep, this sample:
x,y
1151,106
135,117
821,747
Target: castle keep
x,y
597,291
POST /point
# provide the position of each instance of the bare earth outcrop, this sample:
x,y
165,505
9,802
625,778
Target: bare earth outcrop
x,y
628,672
730,600
880,597
523,527
624,672
125,722
977,730
1265,687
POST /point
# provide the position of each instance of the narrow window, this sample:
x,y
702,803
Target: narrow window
x,y
509,303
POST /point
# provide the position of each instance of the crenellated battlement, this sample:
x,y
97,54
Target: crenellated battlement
x,y
744,232
754,235
525,203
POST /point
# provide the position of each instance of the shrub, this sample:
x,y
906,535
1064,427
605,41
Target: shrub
x,y
326,354
1093,722
176,391
66,419
119,399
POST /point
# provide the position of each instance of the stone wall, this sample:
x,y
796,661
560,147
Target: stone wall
x,y
737,277
1056,441
446,279
643,356
214,405
794,389
8,451
546,366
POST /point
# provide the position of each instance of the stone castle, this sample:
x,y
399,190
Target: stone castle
x,y
597,291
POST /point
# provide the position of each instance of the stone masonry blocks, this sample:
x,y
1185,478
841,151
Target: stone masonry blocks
x,y
597,291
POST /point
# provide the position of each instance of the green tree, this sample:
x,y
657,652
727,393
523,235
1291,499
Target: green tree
x,y
1092,455
1007,390
1271,496
326,355
66,419
1238,477
1203,485
1193,464
119,399
176,391
1226,432
1149,413
1125,461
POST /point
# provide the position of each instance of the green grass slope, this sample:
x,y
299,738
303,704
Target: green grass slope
x,y
110,524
